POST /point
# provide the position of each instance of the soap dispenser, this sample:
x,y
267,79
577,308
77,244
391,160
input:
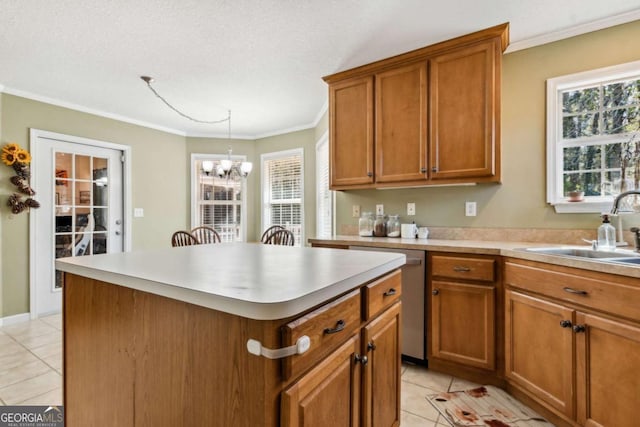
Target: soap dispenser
x,y
606,235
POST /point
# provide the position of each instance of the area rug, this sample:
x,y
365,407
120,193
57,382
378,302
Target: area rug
x,y
484,406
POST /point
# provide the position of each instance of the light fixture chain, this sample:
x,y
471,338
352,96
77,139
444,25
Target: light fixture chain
x,y
148,81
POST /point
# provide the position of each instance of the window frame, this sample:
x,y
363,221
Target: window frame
x,y
264,190
195,203
324,142
554,158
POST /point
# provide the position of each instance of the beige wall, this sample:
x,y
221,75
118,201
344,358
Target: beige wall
x,y
159,177
520,200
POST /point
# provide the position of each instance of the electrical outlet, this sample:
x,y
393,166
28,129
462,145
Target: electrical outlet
x,y
411,209
379,209
355,211
470,208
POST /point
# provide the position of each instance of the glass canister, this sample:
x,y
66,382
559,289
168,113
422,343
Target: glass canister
x,y
380,226
365,224
393,226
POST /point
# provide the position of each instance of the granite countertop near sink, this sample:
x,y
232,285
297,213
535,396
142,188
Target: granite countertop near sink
x,y
488,247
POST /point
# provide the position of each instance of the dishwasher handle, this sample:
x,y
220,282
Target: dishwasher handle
x,y
413,261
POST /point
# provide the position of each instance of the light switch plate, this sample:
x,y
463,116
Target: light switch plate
x,y
355,211
470,208
379,209
138,212
411,209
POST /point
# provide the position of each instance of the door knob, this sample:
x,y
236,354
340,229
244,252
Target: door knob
x,y
565,323
435,291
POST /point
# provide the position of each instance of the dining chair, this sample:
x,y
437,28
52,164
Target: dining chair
x,y
281,237
205,235
183,238
269,231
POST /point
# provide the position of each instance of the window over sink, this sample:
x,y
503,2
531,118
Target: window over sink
x,y
593,138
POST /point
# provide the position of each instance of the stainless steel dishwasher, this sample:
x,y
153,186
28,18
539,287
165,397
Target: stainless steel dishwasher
x,y
414,331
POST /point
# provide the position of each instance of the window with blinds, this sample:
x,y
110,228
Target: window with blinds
x,y
324,197
218,202
282,189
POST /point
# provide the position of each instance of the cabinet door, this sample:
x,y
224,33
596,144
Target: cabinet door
x,y
381,381
329,394
608,372
351,132
464,116
539,349
463,323
401,124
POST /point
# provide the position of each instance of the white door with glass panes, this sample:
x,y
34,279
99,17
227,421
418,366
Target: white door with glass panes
x,y
80,188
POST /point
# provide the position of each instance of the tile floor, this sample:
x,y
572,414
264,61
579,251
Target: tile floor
x,y
31,373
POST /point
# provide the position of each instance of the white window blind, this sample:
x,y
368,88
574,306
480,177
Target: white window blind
x,y
324,197
218,202
283,191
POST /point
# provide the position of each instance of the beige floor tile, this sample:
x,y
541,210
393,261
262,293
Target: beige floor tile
x,y
22,372
40,340
459,384
31,328
414,401
52,398
54,320
421,376
54,361
10,347
407,419
18,358
48,349
33,387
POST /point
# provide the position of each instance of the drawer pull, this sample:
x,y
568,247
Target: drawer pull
x,y
579,328
389,293
361,359
339,326
574,291
565,323
461,269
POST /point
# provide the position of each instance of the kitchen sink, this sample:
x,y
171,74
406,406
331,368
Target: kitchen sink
x,y
621,256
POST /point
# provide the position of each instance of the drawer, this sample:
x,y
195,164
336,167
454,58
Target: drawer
x,y
468,268
327,327
381,294
614,294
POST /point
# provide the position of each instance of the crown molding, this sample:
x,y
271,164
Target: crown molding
x,y
83,109
576,30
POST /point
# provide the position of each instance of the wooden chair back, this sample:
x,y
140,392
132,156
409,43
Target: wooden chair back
x,y
269,231
205,235
183,238
281,237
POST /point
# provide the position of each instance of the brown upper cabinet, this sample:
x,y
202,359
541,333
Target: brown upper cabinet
x,y
429,116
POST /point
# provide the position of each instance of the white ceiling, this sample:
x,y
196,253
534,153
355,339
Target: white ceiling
x,y
262,59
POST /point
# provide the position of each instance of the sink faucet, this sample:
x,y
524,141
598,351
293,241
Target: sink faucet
x,y
616,202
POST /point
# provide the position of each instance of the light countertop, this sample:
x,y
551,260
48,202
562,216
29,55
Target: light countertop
x,y
507,249
263,282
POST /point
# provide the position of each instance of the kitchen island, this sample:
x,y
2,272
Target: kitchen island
x,y
163,337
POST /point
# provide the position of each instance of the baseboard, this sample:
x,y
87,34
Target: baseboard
x,y
16,318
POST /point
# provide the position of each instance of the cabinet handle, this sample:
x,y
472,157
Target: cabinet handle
x,y
434,169
389,293
574,291
361,359
461,269
579,328
371,346
565,323
435,292
423,170
339,326
369,174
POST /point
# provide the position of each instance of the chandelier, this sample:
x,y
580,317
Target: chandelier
x,y
227,168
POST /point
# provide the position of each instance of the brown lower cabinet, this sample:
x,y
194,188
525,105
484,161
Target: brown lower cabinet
x,y
573,342
357,385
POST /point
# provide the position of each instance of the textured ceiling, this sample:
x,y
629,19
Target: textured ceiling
x,y
262,59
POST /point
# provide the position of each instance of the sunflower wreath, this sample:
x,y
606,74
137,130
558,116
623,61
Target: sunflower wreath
x,y
15,156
